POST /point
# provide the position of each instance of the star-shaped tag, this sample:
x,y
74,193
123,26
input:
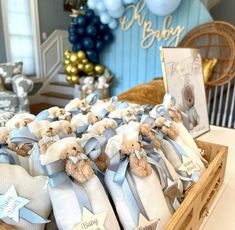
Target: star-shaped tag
x,y
91,221
189,166
11,203
144,224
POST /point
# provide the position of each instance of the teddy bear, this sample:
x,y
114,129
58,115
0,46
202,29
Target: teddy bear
x,y
19,120
63,127
126,115
138,159
21,150
77,163
80,122
191,118
167,127
147,131
49,136
76,105
99,127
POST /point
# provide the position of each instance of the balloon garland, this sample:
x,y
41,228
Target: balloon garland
x,y
90,33
77,64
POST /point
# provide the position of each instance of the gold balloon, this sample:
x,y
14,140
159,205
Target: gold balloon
x,y
74,58
89,67
208,67
74,79
69,79
99,69
81,55
81,67
67,54
91,73
66,62
68,68
74,70
85,61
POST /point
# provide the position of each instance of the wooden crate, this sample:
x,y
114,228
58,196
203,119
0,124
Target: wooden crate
x,y
195,207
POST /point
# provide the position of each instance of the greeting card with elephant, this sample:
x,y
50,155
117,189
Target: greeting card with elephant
x,y
183,78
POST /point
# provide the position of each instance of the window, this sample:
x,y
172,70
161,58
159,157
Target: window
x,y
21,34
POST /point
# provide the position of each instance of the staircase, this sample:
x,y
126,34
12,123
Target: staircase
x,y
55,90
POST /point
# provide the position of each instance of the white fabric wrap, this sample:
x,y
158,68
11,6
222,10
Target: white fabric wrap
x,y
148,188
65,204
32,188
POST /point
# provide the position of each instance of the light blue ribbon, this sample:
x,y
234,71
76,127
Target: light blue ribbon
x,y
146,119
32,217
92,99
43,115
121,105
75,111
169,101
80,130
57,176
22,135
122,177
8,156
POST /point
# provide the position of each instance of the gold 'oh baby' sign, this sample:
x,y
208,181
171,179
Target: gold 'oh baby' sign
x,y
135,13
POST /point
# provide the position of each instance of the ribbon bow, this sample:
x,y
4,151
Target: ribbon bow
x,y
92,98
23,136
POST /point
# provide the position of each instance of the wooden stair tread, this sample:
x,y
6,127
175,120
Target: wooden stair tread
x,y
61,84
58,95
37,108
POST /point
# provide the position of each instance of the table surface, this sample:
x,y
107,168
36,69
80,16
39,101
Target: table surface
x,y
222,213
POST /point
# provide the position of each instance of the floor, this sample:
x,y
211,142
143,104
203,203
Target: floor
x,y
36,108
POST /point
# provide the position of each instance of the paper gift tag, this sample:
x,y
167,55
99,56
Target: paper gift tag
x,y
189,166
144,224
91,221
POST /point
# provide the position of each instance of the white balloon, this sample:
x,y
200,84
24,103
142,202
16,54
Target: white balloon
x,y
113,24
91,4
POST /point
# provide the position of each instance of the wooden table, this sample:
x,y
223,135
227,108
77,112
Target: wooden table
x,y
222,213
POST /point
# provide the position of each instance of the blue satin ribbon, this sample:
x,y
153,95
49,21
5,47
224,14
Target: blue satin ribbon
x,y
43,115
92,99
169,101
122,177
8,156
81,130
23,136
57,176
75,111
32,217
121,105
146,119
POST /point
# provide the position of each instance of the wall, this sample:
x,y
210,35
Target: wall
x,y
2,43
224,10
52,16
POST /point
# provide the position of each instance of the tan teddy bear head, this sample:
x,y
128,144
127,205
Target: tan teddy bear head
x,y
77,104
37,127
19,121
56,111
63,127
130,146
175,115
4,135
167,127
92,118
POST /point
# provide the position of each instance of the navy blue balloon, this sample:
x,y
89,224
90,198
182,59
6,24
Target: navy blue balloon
x,y
87,43
99,45
96,20
80,31
81,20
90,13
91,30
72,30
108,37
103,28
77,47
93,56
73,38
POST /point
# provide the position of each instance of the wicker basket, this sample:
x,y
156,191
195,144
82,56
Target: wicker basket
x,y
195,207
215,40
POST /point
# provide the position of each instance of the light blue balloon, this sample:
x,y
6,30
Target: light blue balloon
x,y
105,17
113,4
100,6
162,7
91,4
117,13
126,2
113,24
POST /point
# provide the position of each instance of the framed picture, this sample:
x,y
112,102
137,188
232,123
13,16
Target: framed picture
x,y
183,78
